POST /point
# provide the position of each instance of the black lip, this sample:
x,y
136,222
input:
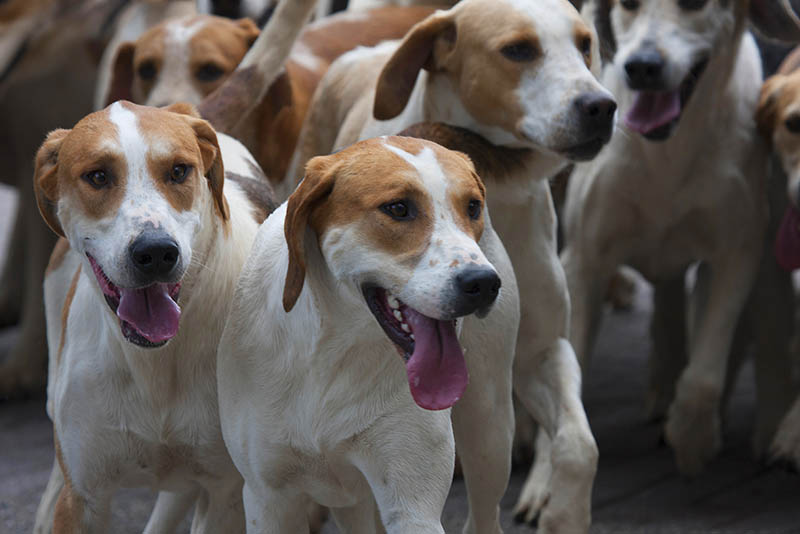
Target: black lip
x,y
375,297
587,150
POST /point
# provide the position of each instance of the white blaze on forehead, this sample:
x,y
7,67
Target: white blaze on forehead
x,y
429,170
130,140
180,33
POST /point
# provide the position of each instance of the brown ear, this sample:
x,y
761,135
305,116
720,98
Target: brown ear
x,y
45,179
249,31
210,152
316,185
121,85
775,19
417,51
767,112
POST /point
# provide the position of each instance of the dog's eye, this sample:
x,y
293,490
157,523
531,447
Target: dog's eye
x,y
147,70
793,124
474,209
178,173
209,72
692,5
399,210
630,5
522,51
586,46
97,179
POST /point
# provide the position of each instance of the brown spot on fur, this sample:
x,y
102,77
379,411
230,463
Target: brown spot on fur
x,y
258,192
73,286
57,256
68,515
454,263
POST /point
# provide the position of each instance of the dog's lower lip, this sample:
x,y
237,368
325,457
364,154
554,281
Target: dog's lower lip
x,y
585,151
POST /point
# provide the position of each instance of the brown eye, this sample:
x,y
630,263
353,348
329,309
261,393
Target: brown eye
x,y
520,52
209,72
400,210
147,71
97,179
793,124
630,5
586,46
178,173
474,209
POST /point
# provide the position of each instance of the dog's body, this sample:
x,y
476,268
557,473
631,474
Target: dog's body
x,y
661,206
778,121
484,71
316,402
127,409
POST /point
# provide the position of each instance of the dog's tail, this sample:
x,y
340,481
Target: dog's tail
x,y
262,65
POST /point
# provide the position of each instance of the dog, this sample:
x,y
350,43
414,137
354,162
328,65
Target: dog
x,y
777,118
180,60
46,55
155,229
267,113
687,167
519,74
384,249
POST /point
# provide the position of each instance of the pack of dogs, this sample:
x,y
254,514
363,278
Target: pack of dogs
x,y
291,268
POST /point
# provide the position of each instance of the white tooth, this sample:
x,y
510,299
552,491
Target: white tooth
x,y
398,315
405,328
393,302
413,338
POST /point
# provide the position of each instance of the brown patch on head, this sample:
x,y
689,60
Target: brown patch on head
x,y
217,48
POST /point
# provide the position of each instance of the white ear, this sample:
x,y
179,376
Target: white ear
x,y
775,19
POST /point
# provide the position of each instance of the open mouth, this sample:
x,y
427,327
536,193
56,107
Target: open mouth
x,y
655,114
148,316
435,366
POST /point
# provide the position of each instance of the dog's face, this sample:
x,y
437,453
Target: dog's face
x,y
129,187
663,48
183,60
398,222
521,70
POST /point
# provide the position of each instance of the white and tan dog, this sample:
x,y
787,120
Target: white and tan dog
x,y
682,182
518,73
379,250
136,297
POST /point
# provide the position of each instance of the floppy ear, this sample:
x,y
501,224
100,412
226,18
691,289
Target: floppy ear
x,y
45,179
210,152
767,112
775,19
598,13
122,74
316,185
249,31
434,36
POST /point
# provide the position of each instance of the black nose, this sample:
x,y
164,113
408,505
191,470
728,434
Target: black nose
x,y
154,256
477,289
645,70
596,111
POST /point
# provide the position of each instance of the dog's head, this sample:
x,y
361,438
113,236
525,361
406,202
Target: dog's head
x,y
521,71
132,189
398,222
183,59
661,49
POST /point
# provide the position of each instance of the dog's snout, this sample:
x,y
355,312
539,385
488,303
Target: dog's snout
x,y
645,70
596,109
155,256
477,288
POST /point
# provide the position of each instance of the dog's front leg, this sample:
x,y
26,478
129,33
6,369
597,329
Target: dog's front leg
x,y
549,384
693,424
220,510
272,511
82,512
169,511
47,505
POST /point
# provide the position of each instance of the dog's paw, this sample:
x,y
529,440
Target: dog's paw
x,y
785,449
693,430
534,497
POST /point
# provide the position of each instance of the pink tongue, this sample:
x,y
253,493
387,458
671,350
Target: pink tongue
x,y
150,311
651,110
437,373
787,244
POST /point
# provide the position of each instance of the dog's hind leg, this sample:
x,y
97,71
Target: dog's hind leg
x,y
47,505
169,511
668,357
549,385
